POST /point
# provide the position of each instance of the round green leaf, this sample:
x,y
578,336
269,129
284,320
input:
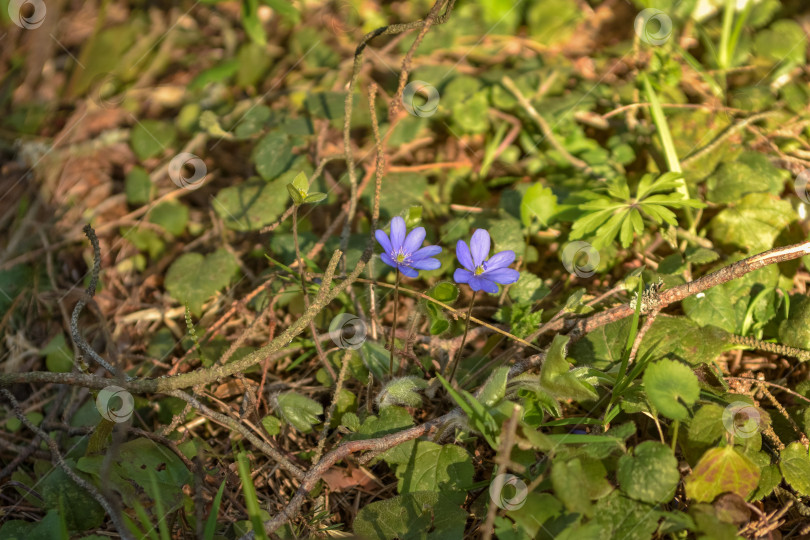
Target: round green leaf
x,y
651,475
671,387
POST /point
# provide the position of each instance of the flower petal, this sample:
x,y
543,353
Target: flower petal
x,y
414,240
388,260
408,271
479,246
382,238
501,259
397,233
425,252
462,276
504,276
463,255
478,283
426,264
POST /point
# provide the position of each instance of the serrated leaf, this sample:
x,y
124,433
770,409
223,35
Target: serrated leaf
x,y
578,481
795,466
713,307
402,391
193,278
538,202
427,466
299,411
650,474
754,223
409,516
722,470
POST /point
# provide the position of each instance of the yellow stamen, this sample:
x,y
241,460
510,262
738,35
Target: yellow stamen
x,y
479,270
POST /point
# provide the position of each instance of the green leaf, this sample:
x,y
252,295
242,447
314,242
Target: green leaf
x,y
299,411
271,424
706,428
410,516
651,474
734,179
79,510
795,466
538,202
785,41
272,155
402,391
58,357
427,466
252,23
150,138
722,470
249,491
578,481
251,205
754,223
444,292
713,307
557,377
170,215
315,197
193,278
285,8
671,387
621,517
296,195
130,473
528,289
301,183
795,330
391,419
138,186
495,388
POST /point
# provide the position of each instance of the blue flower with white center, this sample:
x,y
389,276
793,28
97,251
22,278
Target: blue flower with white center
x,y
403,252
480,273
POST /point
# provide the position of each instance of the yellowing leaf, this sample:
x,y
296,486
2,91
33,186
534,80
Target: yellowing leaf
x,y
722,470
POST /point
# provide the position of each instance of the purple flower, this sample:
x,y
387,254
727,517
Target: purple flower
x,y
403,252
480,273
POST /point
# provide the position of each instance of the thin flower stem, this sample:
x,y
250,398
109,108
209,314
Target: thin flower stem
x,y
394,326
463,339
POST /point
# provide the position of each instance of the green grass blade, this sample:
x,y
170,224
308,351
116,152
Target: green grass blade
x,y
249,490
211,522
